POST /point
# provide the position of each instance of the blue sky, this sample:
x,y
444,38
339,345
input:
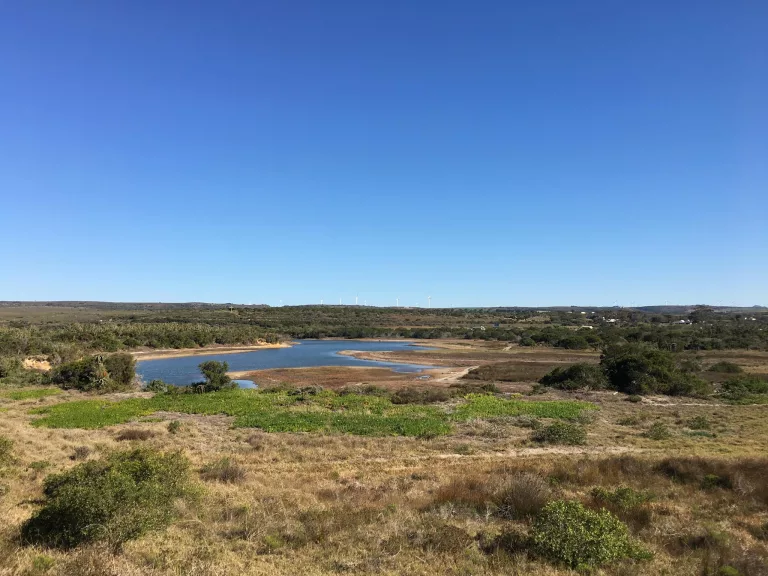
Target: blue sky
x,y
483,153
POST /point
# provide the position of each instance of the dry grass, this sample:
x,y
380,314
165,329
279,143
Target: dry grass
x,y
134,434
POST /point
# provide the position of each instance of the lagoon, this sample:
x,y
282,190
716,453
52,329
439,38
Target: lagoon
x,y
183,370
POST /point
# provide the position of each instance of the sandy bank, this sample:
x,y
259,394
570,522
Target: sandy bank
x,y
179,352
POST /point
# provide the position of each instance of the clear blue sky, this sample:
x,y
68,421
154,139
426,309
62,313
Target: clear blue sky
x,y
484,153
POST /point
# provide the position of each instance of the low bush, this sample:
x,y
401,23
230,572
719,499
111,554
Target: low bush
x,y
657,431
565,532
699,423
174,426
464,388
746,476
92,374
132,434
561,433
523,496
627,503
80,453
725,367
744,389
364,390
576,377
420,396
114,500
637,369
157,386
224,470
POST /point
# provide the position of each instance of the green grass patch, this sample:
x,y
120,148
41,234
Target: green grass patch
x,y
326,412
488,406
31,394
91,414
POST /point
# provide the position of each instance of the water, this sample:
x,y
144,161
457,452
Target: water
x,y
305,353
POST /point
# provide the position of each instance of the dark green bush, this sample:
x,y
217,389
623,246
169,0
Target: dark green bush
x,y
121,368
568,533
112,500
157,386
174,426
91,374
725,367
216,376
575,377
561,433
657,431
637,369
743,389
699,423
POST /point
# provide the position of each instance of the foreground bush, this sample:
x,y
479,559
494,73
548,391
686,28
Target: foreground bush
x,y
575,377
744,389
97,374
113,500
725,367
568,533
638,369
561,433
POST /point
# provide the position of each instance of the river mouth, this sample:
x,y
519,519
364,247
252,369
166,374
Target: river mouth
x,y
183,370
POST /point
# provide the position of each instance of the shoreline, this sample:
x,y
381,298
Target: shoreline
x,y
204,351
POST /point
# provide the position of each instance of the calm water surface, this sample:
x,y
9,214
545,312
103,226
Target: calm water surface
x,y
305,353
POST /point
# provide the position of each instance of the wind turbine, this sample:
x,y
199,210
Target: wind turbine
x,y
339,300
321,301
429,301
397,302
355,299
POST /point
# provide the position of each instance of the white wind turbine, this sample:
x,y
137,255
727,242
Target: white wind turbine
x,y
429,301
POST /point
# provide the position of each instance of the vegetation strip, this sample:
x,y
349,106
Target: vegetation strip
x,y
290,412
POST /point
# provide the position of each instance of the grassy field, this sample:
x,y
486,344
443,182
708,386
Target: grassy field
x,y
326,411
333,483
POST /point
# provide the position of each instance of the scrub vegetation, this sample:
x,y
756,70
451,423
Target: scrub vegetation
x,y
479,469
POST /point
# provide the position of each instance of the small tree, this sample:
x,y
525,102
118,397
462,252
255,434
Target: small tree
x,y
121,368
216,376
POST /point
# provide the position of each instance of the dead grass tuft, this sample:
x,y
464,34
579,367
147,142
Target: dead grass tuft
x,y
224,470
133,434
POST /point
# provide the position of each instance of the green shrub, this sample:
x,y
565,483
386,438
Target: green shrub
x,y
658,431
157,386
743,389
634,398
215,374
575,377
121,368
636,369
113,500
726,367
568,533
699,423
91,374
561,433
174,426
